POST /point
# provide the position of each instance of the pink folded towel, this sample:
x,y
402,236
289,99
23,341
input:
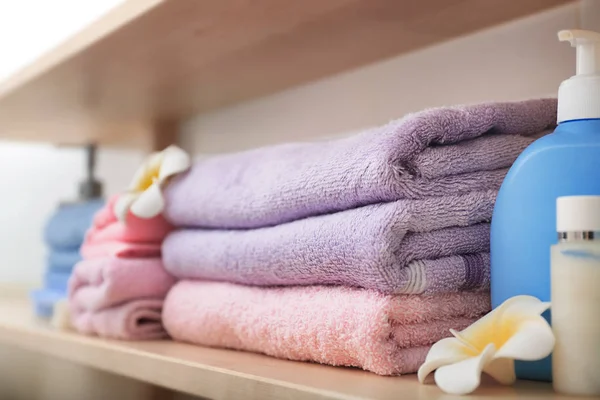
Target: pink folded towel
x,y
106,227
110,237
136,320
106,282
334,325
117,291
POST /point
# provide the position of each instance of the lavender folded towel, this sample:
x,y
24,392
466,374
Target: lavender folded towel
x,y
367,247
467,272
420,155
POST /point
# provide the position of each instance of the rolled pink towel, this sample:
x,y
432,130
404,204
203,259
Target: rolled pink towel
x,y
105,282
135,320
118,290
334,325
106,227
109,237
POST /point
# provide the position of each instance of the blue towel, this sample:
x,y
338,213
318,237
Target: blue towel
x,y
44,301
63,260
66,228
57,281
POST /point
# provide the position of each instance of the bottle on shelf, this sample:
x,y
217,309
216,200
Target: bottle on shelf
x,y
564,163
575,296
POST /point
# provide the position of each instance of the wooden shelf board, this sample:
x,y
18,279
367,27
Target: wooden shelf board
x,y
225,374
155,60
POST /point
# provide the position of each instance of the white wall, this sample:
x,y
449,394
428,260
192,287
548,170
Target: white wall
x,y
522,59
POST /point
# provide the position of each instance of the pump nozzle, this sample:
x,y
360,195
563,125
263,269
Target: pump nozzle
x,y
578,96
587,45
90,188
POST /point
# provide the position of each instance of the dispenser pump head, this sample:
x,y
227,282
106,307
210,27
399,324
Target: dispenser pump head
x,y
587,45
579,96
90,188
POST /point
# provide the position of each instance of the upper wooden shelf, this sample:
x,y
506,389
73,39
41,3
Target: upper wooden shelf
x,y
163,60
225,374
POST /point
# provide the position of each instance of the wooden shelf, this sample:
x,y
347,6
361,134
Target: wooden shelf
x,y
157,61
220,374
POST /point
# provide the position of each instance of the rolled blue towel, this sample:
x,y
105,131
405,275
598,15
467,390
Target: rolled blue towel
x,y
63,260
66,228
57,281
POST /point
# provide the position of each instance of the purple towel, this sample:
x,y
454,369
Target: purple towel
x,y
369,247
467,272
423,154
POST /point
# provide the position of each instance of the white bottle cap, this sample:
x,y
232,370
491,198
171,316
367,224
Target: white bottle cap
x,y
578,214
579,96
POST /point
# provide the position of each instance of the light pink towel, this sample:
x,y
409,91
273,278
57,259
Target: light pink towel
x,y
137,238
105,282
334,325
117,291
136,320
106,226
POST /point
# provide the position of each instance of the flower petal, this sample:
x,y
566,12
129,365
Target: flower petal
x,y
465,376
502,370
526,307
175,160
446,351
150,203
142,175
495,327
533,340
471,349
123,204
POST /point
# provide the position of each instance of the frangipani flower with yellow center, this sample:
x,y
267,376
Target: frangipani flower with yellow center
x,y
144,197
513,331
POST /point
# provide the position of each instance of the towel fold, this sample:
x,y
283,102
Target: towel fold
x,y
135,320
138,238
107,228
57,281
327,324
488,153
367,247
66,228
445,275
63,260
277,184
107,282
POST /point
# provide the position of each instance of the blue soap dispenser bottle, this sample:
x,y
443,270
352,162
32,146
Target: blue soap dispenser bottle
x,y
564,163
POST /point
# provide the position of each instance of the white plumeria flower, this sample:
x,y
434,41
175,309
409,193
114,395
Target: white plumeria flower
x,y
513,331
144,197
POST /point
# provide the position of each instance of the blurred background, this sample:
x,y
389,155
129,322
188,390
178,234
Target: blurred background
x,y
37,176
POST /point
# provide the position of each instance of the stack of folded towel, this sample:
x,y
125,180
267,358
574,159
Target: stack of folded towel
x,y
118,289
362,251
64,234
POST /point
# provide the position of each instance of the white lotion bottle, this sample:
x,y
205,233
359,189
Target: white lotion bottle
x,y
575,296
